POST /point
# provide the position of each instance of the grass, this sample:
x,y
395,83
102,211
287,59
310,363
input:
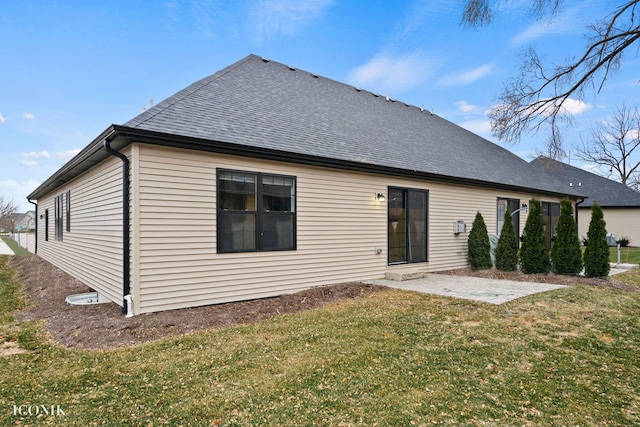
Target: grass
x,y
17,249
567,357
628,255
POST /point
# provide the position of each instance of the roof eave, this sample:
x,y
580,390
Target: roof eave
x,y
121,136
177,141
81,162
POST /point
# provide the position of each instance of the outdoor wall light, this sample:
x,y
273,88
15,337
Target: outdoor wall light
x,y
523,208
380,197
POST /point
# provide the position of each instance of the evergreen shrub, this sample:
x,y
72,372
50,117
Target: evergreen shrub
x,y
507,249
566,256
596,254
534,254
479,248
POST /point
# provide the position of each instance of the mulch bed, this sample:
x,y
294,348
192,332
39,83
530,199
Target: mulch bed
x,y
103,326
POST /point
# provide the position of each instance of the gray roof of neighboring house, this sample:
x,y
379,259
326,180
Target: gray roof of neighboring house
x,y
260,108
606,192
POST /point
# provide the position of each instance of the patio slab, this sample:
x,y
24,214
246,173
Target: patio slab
x,y
492,291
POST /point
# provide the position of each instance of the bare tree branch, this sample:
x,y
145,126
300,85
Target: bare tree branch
x,y
634,181
7,209
613,145
478,13
538,96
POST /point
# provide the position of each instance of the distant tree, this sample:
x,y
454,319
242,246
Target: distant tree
x,y
507,248
7,208
534,255
613,144
540,93
566,255
596,254
479,247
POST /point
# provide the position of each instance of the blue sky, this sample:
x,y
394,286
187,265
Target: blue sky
x,y
71,68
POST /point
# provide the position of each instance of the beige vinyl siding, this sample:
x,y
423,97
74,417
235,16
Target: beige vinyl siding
x,y
623,222
448,203
339,226
338,229
92,250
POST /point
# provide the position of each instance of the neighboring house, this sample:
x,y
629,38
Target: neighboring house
x,y
25,221
19,222
263,179
620,204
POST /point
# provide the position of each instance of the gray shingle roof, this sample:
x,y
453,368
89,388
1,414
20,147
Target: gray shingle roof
x,y
606,192
260,103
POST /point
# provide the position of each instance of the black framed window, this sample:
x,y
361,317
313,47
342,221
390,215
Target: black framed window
x,y
256,211
407,225
58,223
68,211
550,216
46,225
513,205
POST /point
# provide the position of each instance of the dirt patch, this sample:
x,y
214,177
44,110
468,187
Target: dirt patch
x,y
103,326
10,347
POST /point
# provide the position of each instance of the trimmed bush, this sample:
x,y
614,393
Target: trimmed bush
x,y
534,255
507,249
566,256
623,242
596,254
479,248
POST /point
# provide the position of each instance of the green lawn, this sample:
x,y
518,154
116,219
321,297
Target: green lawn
x,y
628,255
19,250
394,358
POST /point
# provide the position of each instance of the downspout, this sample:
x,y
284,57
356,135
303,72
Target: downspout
x,y
126,262
35,250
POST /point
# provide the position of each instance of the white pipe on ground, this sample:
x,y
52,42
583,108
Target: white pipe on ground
x,y
129,300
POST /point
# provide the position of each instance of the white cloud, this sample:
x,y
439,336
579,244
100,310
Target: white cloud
x,y
28,116
18,191
2,119
66,154
534,31
33,154
387,73
546,107
570,20
286,16
480,127
575,106
467,108
467,77
29,163
56,155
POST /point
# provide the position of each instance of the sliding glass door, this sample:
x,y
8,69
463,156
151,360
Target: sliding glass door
x,y
407,225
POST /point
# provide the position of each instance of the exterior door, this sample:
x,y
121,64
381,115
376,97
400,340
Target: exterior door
x,y
407,225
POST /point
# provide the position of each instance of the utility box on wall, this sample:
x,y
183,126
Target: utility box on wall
x,y
459,227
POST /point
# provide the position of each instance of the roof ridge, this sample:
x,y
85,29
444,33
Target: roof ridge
x,y
387,98
186,92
